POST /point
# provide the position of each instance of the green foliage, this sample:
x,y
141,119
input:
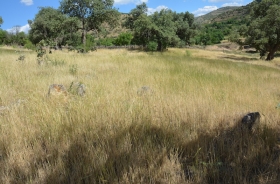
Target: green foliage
x,y
188,53
216,32
123,39
41,51
184,23
50,24
106,42
3,36
91,14
20,38
13,38
152,46
166,28
90,45
263,31
80,49
134,14
73,69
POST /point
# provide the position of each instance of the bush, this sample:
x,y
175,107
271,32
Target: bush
x,y
90,44
73,69
152,46
123,39
29,45
106,42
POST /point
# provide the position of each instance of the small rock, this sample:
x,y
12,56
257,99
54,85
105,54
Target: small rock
x,y
251,120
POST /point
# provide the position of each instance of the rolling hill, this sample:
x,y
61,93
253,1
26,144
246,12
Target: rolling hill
x,y
223,14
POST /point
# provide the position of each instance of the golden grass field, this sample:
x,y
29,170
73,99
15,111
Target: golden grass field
x,y
185,130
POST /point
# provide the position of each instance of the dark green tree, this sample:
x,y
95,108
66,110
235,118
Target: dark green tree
x,y
50,24
166,28
91,14
142,30
263,33
3,36
134,14
21,38
185,27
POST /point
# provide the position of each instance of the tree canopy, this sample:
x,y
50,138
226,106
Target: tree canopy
x,y
91,14
263,33
55,30
165,28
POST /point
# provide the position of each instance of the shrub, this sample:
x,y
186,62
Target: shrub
x,y
152,46
73,69
123,39
29,45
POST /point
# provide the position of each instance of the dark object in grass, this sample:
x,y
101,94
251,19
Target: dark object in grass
x,y
251,120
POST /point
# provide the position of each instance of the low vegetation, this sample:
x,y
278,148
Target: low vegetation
x,y
183,128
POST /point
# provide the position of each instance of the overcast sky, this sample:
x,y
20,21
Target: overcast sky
x,y
18,12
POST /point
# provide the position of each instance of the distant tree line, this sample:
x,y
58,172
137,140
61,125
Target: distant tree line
x,y
214,33
160,30
84,24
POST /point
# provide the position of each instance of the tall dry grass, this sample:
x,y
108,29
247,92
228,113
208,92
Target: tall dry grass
x,y
185,131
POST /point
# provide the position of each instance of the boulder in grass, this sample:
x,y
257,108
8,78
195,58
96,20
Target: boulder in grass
x,y
144,90
57,90
81,90
251,120
77,88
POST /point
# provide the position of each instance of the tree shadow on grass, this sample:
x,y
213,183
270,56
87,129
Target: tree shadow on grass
x,y
240,58
223,155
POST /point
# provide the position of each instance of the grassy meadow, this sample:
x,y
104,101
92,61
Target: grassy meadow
x,y
185,129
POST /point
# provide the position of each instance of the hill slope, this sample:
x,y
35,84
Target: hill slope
x,y
223,14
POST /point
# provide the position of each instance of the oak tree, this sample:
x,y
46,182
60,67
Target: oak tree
x,y
91,14
263,33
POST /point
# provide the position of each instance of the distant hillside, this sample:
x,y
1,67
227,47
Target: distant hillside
x,y
238,13
207,18
223,14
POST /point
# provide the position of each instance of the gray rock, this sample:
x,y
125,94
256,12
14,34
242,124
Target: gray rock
x,y
57,89
77,88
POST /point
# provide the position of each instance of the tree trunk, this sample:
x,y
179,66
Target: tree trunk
x,y
270,56
84,37
271,53
84,33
